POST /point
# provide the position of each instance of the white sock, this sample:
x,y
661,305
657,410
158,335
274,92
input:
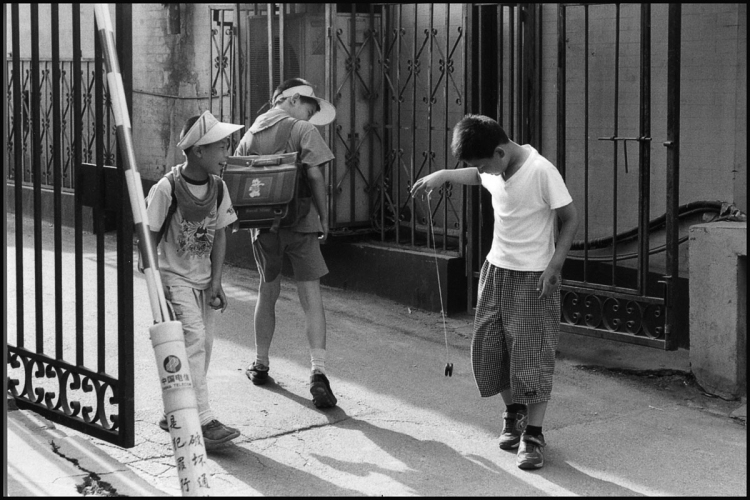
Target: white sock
x,y
318,360
262,360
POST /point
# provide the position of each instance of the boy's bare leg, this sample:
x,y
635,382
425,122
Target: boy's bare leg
x,y
265,316
311,301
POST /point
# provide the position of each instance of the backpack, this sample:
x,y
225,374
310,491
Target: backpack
x,y
269,191
170,213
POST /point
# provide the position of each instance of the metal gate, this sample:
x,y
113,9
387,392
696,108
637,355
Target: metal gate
x,y
604,293
71,358
397,76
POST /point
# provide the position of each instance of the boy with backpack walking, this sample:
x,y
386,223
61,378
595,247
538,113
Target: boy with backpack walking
x,y
517,322
290,126
188,210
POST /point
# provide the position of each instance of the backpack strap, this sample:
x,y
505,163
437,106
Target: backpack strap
x,y
170,211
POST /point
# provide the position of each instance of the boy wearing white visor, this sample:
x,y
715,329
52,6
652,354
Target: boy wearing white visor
x,y
295,113
192,249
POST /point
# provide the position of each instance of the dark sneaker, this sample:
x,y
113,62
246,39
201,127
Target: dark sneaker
x,y
321,391
513,426
531,452
257,373
216,433
163,424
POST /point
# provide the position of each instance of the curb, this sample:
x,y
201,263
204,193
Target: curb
x,y
96,472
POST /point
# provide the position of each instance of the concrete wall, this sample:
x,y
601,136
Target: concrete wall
x,y
718,307
713,154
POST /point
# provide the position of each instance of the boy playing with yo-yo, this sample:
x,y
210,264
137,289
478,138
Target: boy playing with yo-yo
x,y
517,321
192,248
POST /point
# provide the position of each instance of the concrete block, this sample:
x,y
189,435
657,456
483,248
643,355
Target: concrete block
x,y
718,310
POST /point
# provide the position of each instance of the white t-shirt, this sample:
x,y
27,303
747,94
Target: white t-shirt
x,y
524,230
185,249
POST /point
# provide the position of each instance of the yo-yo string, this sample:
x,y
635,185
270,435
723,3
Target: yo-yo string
x,y
437,271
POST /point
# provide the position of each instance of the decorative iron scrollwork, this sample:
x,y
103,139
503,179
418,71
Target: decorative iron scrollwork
x,y
71,381
631,316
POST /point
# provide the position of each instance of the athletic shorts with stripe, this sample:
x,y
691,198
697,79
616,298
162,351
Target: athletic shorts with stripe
x,y
515,335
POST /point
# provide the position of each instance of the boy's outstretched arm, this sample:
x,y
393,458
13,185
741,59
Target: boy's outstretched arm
x,y
218,252
550,278
467,175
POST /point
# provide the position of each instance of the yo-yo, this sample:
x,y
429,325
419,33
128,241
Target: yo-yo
x,y
449,369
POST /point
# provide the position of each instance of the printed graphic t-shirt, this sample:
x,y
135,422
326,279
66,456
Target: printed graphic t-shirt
x,y
185,249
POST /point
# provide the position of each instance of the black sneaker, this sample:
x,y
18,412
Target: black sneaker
x,y
163,424
257,373
531,452
513,426
215,433
321,391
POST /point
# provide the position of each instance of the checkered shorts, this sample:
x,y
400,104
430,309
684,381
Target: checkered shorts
x,y
515,335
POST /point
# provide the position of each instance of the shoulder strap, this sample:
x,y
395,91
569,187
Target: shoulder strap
x,y
283,133
170,212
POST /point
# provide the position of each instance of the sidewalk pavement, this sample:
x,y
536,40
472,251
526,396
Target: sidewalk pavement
x,y
624,419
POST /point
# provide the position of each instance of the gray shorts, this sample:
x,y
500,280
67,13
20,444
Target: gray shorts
x,y
303,250
515,335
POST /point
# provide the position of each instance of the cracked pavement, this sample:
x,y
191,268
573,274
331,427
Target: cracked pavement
x,y
402,428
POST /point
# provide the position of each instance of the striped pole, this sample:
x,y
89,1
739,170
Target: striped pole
x,y
180,404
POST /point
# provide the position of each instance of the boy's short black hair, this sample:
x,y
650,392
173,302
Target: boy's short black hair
x,y
295,82
188,125
477,136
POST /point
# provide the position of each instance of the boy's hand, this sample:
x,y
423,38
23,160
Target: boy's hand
x,y
428,183
548,282
218,299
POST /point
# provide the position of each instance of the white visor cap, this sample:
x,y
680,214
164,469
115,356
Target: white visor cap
x,y
327,112
206,130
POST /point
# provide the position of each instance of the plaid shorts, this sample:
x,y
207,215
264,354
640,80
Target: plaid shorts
x,y
515,335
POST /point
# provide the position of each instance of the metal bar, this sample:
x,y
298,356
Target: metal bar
x,y
644,148
430,34
239,73
501,63
351,165
370,189
77,160
385,24
469,191
282,42
57,161
330,78
412,222
615,132
125,358
18,169
674,58
99,208
211,38
397,184
221,67
522,104
561,89
269,13
586,143
511,69
445,113
36,165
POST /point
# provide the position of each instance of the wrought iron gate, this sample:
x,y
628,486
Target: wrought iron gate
x,y
604,295
71,358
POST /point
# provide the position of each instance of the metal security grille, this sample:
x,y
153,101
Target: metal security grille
x,y
49,106
70,359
